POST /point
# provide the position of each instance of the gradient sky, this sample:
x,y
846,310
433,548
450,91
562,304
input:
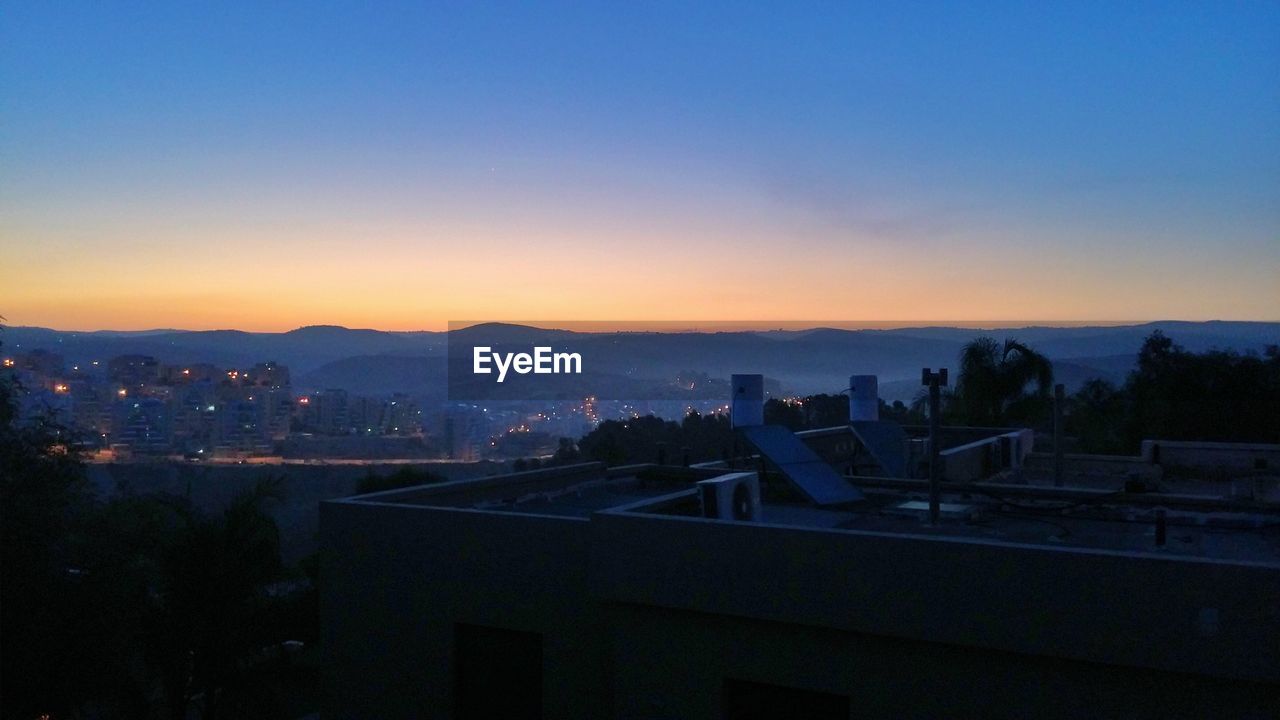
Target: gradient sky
x,y
397,166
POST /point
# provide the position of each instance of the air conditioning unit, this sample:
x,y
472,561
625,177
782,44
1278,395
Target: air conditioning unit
x,y
735,496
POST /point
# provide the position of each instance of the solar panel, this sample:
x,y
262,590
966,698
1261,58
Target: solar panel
x,y
800,465
886,442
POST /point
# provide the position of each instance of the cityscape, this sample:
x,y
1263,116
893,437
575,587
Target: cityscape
x,y
135,408
639,361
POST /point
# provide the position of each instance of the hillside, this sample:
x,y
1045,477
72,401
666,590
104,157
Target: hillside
x,y
819,360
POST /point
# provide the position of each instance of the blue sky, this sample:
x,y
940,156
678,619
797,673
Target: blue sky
x,y
233,164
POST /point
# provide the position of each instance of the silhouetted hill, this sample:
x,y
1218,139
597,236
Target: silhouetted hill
x,y
817,360
302,350
378,375
500,334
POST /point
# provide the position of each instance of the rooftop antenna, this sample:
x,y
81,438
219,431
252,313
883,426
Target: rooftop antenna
x,y
935,381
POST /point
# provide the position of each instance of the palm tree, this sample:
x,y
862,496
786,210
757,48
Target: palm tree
x,y
995,380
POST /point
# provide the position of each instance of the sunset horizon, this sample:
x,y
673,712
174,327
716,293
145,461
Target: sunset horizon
x,y
666,326
400,168
459,361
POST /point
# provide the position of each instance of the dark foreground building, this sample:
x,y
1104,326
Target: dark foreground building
x,y
586,592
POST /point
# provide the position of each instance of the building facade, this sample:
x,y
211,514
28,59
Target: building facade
x,y
586,592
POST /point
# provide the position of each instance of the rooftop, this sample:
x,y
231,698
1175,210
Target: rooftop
x,y
1219,527
573,491
1201,527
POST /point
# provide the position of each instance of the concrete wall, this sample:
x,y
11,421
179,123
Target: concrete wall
x,y
645,615
395,579
1212,460
1076,466
981,458
968,453
673,663
1163,613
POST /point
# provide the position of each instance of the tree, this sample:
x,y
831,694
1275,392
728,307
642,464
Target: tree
x,y
1219,395
403,477
1173,394
1001,385
901,413
136,606
566,453
707,437
43,493
1096,417
814,411
213,603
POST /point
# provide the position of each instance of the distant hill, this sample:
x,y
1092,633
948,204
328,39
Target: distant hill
x,y
378,375
302,350
818,360
497,334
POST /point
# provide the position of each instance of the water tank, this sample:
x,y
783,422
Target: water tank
x,y
864,398
747,405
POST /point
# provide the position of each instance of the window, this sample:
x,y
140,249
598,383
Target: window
x,y
745,700
498,673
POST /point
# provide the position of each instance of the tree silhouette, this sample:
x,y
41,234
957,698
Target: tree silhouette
x,y
213,603
1096,417
1000,385
1174,394
401,478
43,492
136,606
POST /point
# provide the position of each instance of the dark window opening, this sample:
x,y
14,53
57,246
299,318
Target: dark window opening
x,y
498,673
745,700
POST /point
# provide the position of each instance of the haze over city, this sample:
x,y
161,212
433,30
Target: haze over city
x,y
398,166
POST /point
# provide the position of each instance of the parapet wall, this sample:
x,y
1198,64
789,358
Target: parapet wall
x,y
1212,460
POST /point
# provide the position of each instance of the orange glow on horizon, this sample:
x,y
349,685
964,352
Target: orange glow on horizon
x,y
404,171
405,283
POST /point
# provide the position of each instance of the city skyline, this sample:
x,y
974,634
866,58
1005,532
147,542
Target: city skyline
x,y
395,168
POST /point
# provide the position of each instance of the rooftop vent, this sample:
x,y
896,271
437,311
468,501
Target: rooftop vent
x,y
735,496
864,398
748,401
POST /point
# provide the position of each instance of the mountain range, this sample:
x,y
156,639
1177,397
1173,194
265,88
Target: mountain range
x,y
375,362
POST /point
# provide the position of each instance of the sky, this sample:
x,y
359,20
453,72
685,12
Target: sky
x,y
264,166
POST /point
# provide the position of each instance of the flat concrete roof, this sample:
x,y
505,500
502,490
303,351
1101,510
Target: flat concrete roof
x,y
1116,525
566,491
1206,527
581,499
